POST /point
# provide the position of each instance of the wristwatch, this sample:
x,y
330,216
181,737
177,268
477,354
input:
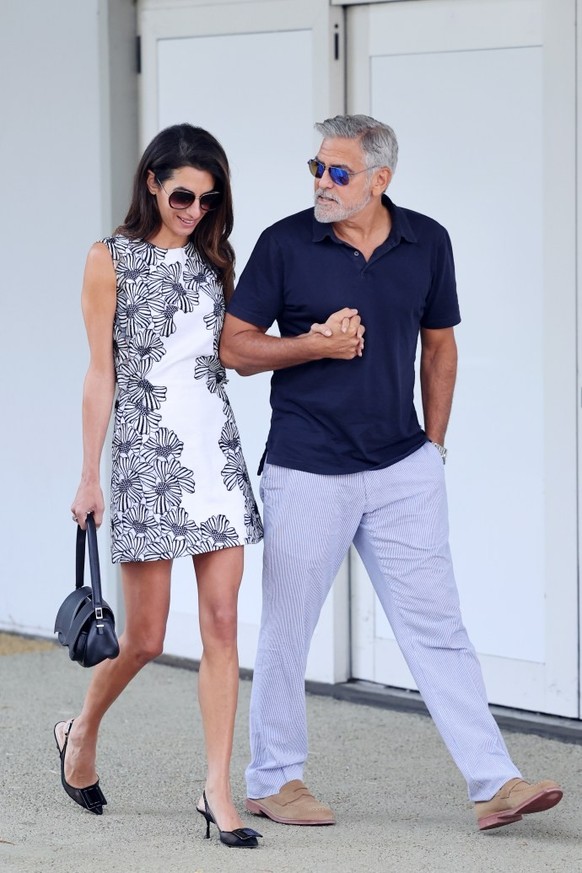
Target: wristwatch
x,y
441,450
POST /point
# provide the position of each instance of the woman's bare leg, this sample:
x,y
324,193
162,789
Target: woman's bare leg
x,y
146,592
219,575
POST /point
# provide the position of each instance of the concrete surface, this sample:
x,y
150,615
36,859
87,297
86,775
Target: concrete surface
x,y
400,802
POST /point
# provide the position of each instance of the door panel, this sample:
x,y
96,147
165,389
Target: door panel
x,y
466,88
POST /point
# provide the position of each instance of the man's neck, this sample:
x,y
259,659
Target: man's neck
x,y
366,230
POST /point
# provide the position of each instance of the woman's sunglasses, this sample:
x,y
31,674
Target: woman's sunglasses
x,y
338,175
182,199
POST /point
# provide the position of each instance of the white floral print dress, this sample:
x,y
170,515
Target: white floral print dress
x,y
179,483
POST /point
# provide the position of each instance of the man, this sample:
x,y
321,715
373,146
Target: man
x,y
347,461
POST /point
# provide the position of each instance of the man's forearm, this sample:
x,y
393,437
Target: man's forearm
x,y
250,352
438,373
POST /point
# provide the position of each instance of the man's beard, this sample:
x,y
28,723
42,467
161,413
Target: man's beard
x,y
328,210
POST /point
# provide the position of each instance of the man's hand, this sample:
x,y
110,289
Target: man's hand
x,y
345,324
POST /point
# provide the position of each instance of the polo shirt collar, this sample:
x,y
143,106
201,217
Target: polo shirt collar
x,y
401,228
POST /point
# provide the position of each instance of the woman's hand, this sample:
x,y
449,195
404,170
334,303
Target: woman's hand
x,y
89,498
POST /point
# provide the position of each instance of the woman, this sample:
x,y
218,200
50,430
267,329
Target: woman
x,y
153,301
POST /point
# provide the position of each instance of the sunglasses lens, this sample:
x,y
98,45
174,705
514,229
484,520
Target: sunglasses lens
x,y
339,176
181,199
210,201
316,168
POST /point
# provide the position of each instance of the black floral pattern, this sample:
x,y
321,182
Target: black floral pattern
x,y
166,280
163,313
234,472
197,274
133,313
163,445
253,523
146,252
132,476
147,346
219,532
132,269
229,440
141,417
176,524
126,441
156,510
133,534
140,390
169,479
209,367
215,319
131,369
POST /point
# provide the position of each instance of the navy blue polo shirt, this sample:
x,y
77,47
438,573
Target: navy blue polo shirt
x,y
335,416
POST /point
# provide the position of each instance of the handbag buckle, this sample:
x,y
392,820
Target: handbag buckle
x,y
99,613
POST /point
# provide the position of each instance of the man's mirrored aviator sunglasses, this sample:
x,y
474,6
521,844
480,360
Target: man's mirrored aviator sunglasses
x,y
338,175
182,199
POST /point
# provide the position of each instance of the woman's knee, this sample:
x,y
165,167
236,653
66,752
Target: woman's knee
x,y
218,624
144,647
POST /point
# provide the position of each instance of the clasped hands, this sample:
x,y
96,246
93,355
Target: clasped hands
x,y
344,334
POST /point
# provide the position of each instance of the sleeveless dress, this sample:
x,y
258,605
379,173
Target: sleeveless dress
x,y
179,483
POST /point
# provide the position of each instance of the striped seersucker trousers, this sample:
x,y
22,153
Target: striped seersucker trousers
x,y
397,520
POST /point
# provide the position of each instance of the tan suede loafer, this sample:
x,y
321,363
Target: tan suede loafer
x,y
293,805
514,799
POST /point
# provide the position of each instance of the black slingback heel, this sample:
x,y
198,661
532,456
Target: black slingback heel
x,y
241,838
91,797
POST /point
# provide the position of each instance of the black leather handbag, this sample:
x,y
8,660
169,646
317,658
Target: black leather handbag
x,y
85,622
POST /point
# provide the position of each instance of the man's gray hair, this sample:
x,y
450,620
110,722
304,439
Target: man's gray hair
x,y
378,141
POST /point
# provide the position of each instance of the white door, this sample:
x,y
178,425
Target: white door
x,y
257,75
486,131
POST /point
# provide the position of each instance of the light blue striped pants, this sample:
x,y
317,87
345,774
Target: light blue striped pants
x,y
397,520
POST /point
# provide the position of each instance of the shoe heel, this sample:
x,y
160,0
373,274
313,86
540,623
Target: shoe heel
x,y
240,838
207,820
497,820
253,807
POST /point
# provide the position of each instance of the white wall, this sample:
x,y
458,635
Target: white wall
x,y
56,147
68,142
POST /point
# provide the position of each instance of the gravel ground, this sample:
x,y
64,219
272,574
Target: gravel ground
x,y
400,802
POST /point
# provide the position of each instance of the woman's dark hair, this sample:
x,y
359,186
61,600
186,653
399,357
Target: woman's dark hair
x,y
183,145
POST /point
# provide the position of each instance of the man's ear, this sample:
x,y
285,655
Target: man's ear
x,y
383,179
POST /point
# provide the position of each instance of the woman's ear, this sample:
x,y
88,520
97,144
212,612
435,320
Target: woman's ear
x,y
151,182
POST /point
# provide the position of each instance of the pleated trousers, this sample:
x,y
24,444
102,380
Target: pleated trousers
x,y
397,519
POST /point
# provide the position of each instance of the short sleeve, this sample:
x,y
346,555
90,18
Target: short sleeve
x,y
442,305
258,296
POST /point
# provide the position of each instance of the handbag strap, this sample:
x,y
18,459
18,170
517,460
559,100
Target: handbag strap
x,y
89,535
